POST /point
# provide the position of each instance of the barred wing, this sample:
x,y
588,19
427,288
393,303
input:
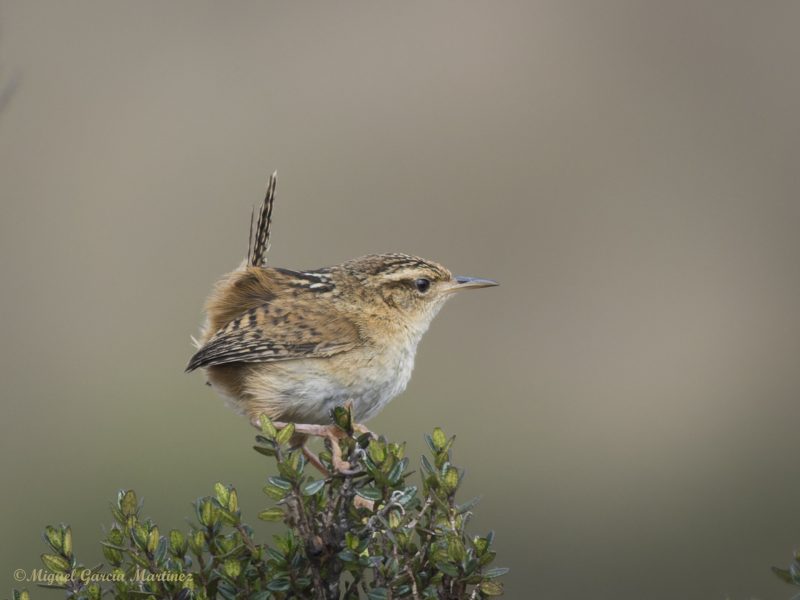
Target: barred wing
x,y
265,334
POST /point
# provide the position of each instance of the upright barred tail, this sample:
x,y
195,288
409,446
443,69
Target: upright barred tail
x,y
258,242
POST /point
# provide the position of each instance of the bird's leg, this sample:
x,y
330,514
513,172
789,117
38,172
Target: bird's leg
x,y
339,464
312,458
330,432
334,434
305,428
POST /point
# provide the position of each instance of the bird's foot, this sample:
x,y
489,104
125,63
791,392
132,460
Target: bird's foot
x,y
334,434
329,432
314,460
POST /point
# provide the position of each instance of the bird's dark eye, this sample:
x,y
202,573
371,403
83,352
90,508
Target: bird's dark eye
x,y
422,285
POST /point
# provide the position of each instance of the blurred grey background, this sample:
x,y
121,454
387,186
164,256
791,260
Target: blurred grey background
x,y
626,402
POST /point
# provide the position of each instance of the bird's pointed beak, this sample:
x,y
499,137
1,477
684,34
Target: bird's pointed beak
x,y
462,283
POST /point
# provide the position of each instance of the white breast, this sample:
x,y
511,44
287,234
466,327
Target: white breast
x,y
377,390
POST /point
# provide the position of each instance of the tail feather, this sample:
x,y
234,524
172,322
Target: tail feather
x,y
259,239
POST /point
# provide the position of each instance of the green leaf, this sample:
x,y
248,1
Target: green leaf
x,y
206,512
281,483
139,536
197,542
430,593
397,471
378,594
232,568
351,540
450,480
455,549
53,537
271,514
394,519
275,492
468,505
481,545
233,501
370,493
177,542
783,574
285,434
117,514
227,544
448,568
94,591
348,555
267,428
398,450
426,464
439,439
264,450
276,555
313,487
115,536
407,495
161,551
112,555
343,419
222,492
152,540
286,468
280,584
296,462
54,563
67,541
377,451
496,572
128,503
491,588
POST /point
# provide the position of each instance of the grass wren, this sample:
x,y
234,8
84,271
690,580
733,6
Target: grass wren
x,y
294,344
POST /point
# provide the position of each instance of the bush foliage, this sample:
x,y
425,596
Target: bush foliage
x,y
368,533
792,574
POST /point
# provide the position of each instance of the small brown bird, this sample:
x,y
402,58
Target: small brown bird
x,y
294,344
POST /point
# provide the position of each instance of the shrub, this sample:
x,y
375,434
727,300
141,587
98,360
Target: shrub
x,y
368,533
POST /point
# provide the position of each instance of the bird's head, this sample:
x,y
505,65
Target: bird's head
x,y
408,287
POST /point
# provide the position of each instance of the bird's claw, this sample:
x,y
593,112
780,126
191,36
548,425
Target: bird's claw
x,y
329,432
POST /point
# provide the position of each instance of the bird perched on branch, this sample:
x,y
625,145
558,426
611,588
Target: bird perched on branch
x,y
292,345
